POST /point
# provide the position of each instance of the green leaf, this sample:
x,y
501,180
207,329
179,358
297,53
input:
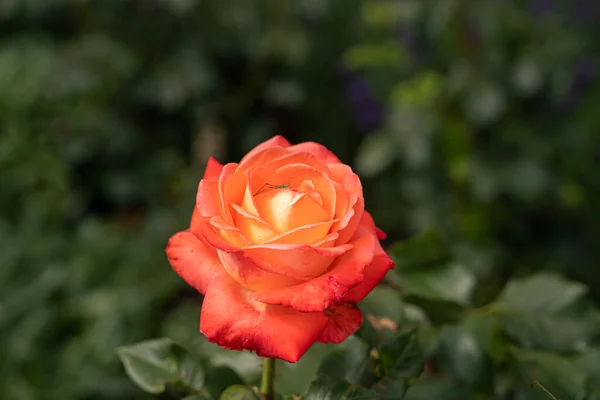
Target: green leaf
x,y
463,355
451,283
326,388
218,378
562,377
539,312
547,332
542,292
155,363
375,154
435,388
400,356
351,363
589,362
423,250
383,301
240,392
488,332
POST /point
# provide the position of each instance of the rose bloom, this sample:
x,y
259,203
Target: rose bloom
x,y
282,249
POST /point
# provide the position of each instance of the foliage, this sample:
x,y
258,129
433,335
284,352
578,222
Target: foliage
x,y
472,124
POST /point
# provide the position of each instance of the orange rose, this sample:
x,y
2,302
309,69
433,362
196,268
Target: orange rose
x,y
281,248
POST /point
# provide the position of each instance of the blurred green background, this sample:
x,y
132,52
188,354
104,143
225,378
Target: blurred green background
x,y
476,118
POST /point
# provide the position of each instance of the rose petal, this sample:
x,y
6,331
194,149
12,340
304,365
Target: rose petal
x,y
213,169
225,178
275,141
247,274
196,221
259,180
208,199
344,320
381,235
352,186
374,273
232,321
252,226
228,232
193,260
297,174
327,241
308,188
213,231
300,262
319,293
303,235
236,184
299,158
286,209
318,150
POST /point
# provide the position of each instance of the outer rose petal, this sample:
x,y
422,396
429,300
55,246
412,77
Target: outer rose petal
x,y
344,320
225,178
196,221
374,273
318,150
381,235
275,141
213,169
193,260
232,321
351,185
208,199
319,293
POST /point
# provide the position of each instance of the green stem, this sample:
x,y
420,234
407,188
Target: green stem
x,y
268,376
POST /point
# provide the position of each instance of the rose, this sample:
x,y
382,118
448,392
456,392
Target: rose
x,y
281,248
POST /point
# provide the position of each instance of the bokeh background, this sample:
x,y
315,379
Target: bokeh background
x,y
478,119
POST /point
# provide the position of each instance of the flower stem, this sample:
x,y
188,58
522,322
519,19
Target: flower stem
x,y
268,376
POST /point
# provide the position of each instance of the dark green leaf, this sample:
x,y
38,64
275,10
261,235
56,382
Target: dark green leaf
x,y
351,363
543,293
564,378
488,332
589,361
463,355
400,356
426,249
326,388
452,283
539,312
218,378
435,388
383,301
240,392
154,364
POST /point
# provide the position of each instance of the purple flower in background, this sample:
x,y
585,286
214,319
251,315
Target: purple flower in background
x,y
539,7
367,110
584,73
584,11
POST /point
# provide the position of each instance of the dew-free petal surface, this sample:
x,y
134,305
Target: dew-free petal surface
x,y
193,260
231,320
